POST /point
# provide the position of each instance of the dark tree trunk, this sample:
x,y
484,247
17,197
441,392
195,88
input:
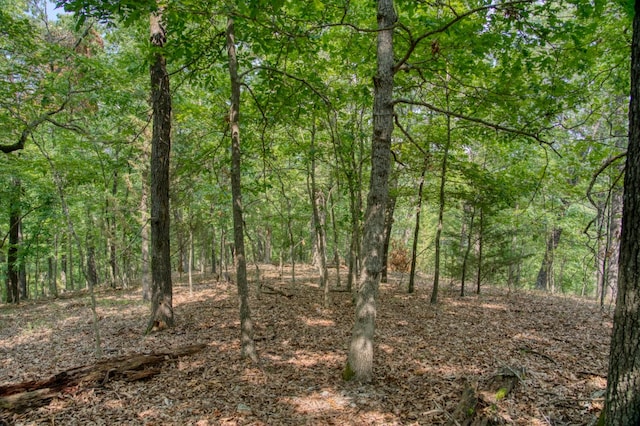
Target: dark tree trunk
x,y
441,205
416,230
622,406
360,360
467,251
13,294
161,285
546,269
480,247
248,349
388,226
318,206
144,233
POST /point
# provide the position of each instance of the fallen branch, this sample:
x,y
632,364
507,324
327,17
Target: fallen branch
x,y
273,290
21,396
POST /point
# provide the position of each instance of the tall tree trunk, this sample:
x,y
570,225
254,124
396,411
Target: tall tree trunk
x,y
480,247
416,229
622,405
334,225
467,251
13,290
441,205
144,233
546,269
318,207
161,285
388,224
360,360
111,221
248,349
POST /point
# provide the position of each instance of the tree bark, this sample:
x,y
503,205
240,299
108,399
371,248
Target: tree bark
x,y
622,406
248,349
360,360
161,285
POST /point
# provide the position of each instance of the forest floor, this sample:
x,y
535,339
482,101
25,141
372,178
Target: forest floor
x,y
425,356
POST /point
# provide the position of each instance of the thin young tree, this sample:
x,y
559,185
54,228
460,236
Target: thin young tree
x,y
248,349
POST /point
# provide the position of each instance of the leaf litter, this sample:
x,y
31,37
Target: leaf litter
x,y
425,356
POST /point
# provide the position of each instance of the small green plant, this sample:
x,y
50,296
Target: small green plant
x,y
348,373
502,392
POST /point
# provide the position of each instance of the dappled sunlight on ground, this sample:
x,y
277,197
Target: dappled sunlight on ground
x,y
425,356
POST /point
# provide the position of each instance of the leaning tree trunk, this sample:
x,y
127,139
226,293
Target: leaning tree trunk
x,y
161,286
248,349
622,405
360,360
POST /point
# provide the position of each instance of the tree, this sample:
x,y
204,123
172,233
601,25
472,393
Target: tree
x,y
248,349
161,285
622,406
360,361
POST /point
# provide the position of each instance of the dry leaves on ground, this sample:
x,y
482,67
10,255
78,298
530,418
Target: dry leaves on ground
x,y
426,357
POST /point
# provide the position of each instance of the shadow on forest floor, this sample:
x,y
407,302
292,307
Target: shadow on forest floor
x,y
426,356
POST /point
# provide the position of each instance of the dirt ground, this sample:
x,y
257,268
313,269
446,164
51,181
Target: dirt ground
x,y
425,356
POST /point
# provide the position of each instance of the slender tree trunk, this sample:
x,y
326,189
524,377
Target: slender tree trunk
x,y
360,360
546,269
144,233
622,405
441,205
467,251
190,260
416,230
13,290
161,285
480,247
317,204
248,349
111,221
334,225
388,225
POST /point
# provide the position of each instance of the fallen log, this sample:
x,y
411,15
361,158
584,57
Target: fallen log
x,y
273,290
21,396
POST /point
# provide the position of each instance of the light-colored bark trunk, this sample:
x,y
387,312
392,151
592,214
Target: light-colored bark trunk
x,y
360,360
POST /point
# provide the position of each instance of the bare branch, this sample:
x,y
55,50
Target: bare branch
x,y
480,121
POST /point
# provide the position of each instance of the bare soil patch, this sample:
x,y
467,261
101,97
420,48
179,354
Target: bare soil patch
x,y
426,357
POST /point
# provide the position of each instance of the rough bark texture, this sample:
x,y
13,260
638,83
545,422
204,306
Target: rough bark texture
x,y
388,225
360,361
622,406
248,349
161,285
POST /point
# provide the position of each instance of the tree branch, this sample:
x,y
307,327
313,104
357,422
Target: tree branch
x,y
446,26
480,121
